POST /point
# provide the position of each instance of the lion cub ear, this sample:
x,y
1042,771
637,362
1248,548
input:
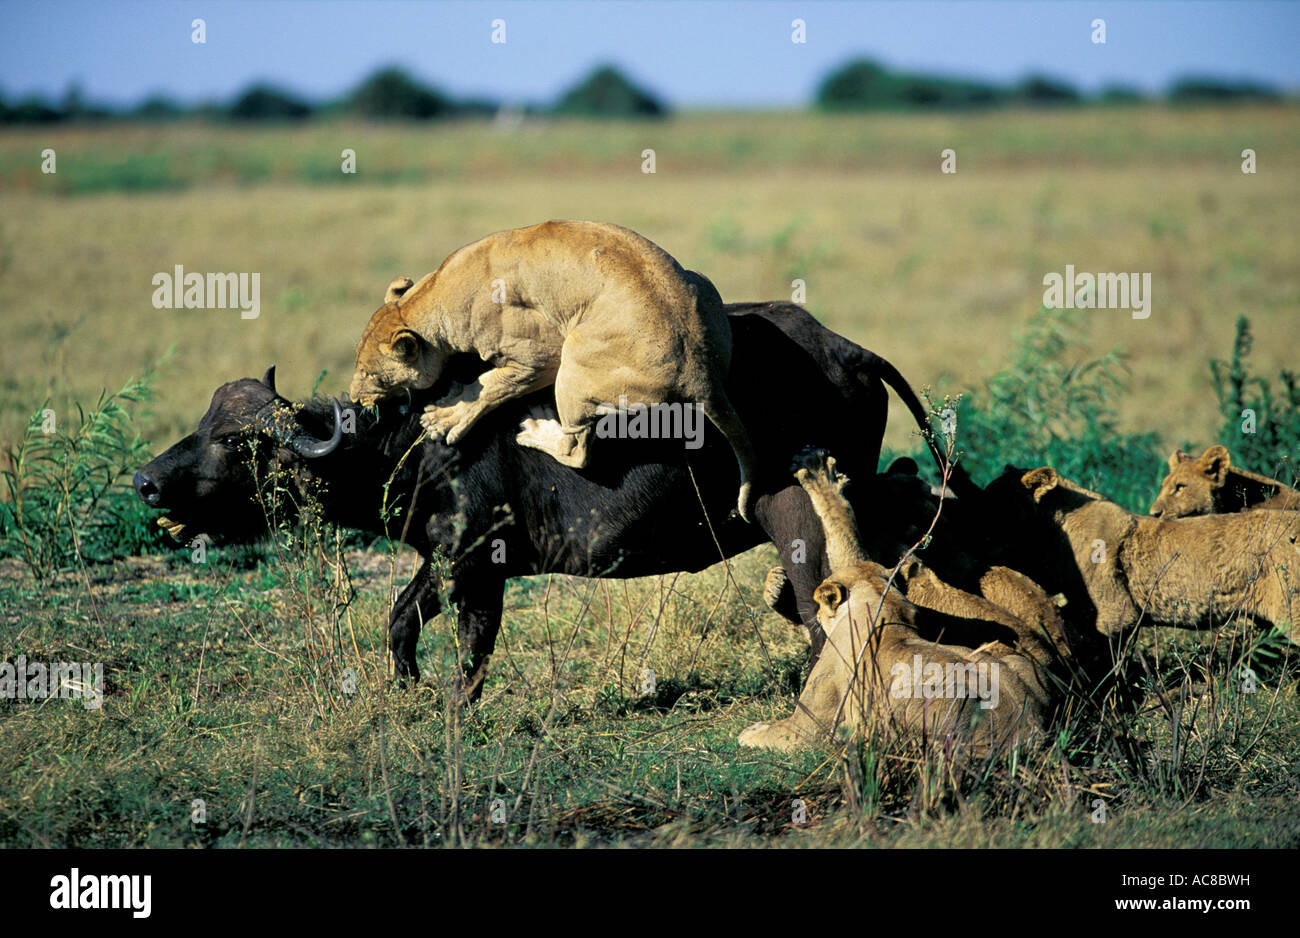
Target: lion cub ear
x,y
1176,458
829,596
1040,481
1214,463
398,287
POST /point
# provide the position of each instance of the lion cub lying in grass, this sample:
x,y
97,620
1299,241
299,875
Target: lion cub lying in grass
x,y
600,312
1211,484
1189,572
891,678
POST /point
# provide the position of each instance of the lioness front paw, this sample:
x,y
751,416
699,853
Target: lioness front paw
x,y
438,422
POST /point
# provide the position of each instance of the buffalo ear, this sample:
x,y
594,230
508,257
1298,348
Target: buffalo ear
x,y
1214,463
397,288
1040,481
829,596
268,379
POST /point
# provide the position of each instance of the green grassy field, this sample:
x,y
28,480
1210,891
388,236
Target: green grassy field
x,y
225,680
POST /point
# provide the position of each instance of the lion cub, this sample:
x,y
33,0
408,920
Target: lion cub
x,y
600,312
877,670
1211,484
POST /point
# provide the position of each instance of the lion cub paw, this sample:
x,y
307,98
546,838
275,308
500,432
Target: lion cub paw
x,y
814,466
770,736
778,593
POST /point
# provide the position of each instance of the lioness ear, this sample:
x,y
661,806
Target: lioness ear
x,y
406,346
395,289
1214,463
1178,456
1040,481
829,596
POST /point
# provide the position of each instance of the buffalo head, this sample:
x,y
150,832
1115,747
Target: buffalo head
x,y
207,482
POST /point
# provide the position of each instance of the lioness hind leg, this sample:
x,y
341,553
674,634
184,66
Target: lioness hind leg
x,y
566,445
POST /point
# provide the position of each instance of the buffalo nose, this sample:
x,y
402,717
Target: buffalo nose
x,y
147,489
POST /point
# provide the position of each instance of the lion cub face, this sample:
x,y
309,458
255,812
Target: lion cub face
x,y
390,357
853,595
1190,486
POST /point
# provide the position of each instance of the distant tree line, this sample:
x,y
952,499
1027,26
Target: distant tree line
x,y
388,94
393,94
867,85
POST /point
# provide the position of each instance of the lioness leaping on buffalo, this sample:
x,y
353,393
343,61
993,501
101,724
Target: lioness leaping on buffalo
x,y
602,313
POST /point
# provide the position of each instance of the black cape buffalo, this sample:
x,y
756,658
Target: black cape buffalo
x,y
642,506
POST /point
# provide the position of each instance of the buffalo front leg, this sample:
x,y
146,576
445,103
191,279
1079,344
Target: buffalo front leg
x,y
416,604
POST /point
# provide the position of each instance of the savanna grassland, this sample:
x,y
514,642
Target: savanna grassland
x,y
224,679
934,272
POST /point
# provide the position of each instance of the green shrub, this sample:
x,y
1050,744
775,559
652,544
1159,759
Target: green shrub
x,y
138,172
1272,443
1046,409
67,488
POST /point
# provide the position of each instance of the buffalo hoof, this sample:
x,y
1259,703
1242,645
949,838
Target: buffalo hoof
x,y
468,688
405,673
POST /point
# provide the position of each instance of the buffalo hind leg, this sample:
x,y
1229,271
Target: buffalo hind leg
x,y
788,519
477,627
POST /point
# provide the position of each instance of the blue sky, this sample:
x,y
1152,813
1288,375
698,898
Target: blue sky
x,y
695,54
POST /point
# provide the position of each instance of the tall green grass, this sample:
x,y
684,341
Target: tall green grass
x,y
1261,423
68,498
1050,405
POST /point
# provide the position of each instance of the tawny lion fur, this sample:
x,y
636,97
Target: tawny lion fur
x,y
864,672
595,309
1210,484
1189,572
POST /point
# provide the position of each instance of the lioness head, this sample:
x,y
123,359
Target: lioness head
x,y
1189,487
391,355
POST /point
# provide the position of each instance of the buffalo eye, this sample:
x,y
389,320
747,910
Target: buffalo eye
x,y
229,442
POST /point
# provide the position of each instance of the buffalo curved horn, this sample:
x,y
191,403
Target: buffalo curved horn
x,y
308,448
269,379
